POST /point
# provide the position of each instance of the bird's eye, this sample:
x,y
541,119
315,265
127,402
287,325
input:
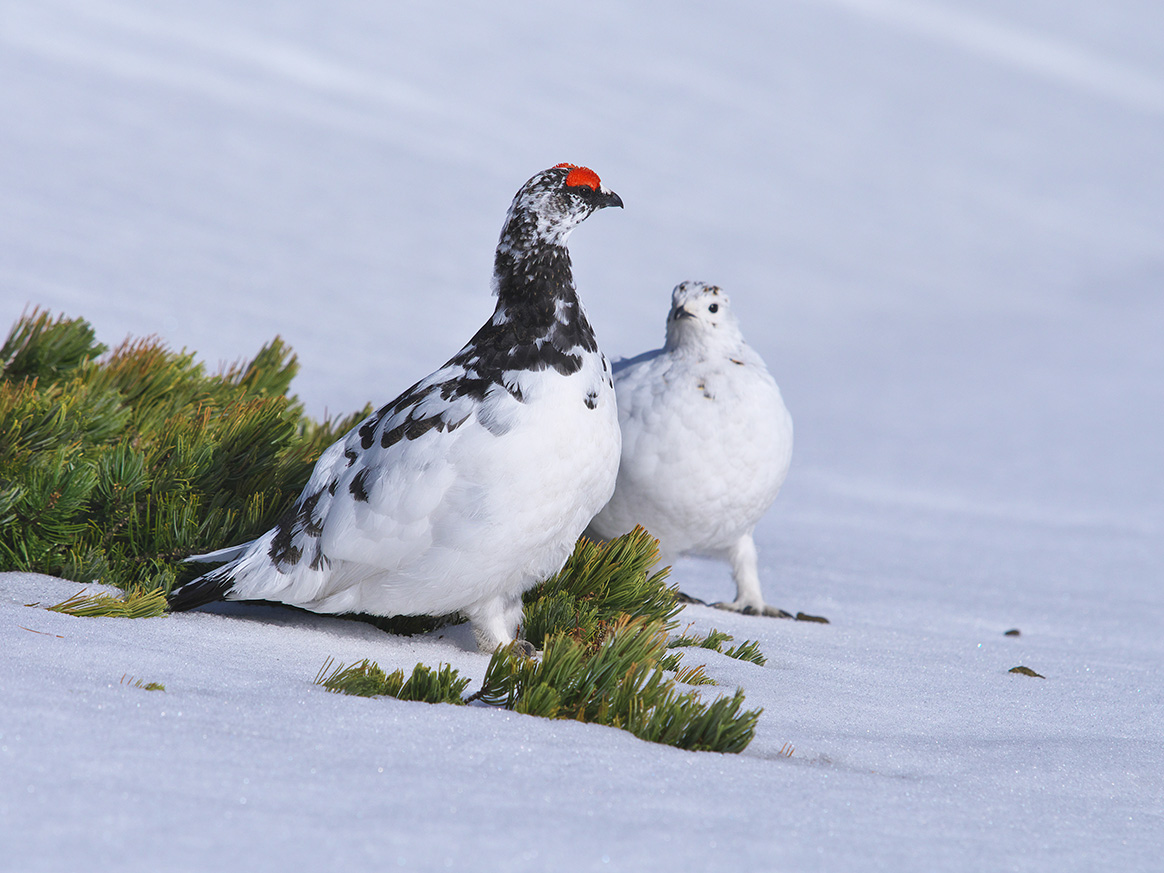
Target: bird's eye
x,y
713,308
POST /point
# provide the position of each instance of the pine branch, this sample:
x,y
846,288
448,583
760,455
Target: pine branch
x,y
694,675
619,684
366,679
616,683
748,650
599,584
145,604
142,684
39,347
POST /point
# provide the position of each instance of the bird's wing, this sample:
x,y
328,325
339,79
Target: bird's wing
x,y
372,495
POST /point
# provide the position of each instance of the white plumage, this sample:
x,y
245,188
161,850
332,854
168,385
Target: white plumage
x,y
473,485
706,442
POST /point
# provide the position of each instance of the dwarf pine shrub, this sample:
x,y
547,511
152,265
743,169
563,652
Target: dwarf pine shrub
x,y
116,465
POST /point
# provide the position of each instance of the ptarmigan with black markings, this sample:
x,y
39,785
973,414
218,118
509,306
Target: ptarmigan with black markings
x,y
706,442
473,485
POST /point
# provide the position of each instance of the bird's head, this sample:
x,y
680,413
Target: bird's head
x,y
700,315
551,204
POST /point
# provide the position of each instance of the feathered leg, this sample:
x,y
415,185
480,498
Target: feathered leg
x,y
745,570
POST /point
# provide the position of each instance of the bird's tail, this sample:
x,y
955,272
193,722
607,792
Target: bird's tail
x,y
227,554
212,586
209,587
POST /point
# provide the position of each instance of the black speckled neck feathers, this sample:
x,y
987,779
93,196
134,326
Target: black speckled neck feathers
x,y
539,322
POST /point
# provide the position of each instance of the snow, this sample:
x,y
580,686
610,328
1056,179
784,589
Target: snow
x,y
940,223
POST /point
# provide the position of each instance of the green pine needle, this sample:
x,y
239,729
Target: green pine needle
x,y
600,583
143,604
366,679
693,675
619,684
40,347
141,683
749,650
715,640
671,662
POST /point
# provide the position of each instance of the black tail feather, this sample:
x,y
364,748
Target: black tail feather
x,y
198,592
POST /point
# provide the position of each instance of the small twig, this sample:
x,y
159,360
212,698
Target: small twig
x,y
43,633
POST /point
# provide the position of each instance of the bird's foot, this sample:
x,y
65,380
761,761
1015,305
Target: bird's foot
x,y
751,609
687,598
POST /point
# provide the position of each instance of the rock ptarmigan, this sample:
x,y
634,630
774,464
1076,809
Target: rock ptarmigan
x,y
706,442
473,485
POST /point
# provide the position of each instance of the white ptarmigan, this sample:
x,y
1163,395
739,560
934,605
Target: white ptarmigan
x,y
706,442
473,485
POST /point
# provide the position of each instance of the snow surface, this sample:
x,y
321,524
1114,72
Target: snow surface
x,y
942,224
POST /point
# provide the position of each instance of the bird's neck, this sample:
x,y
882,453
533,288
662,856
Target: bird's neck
x,y
701,345
533,271
539,323
534,283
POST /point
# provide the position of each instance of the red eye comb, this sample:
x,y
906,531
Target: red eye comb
x,y
579,176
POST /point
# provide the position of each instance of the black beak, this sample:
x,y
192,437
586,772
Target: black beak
x,y
607,198
682,313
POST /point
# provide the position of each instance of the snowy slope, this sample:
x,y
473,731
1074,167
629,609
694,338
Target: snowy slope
x,y
940,223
